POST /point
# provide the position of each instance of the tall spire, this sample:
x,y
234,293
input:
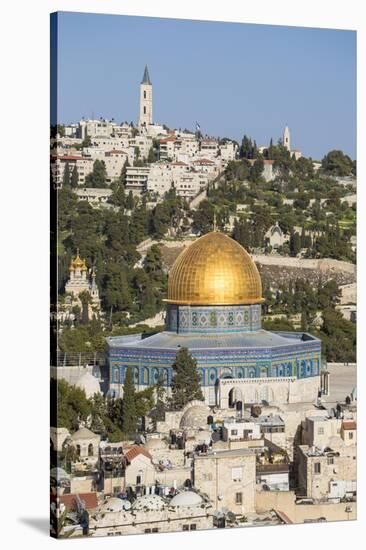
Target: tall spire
x,y
146,77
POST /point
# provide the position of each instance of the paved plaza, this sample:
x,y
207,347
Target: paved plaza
x,y
343,379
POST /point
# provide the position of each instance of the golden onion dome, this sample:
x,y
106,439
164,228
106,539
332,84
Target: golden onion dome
x,y
214,270
78,263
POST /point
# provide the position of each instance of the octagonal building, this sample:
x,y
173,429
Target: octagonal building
x,y
213,308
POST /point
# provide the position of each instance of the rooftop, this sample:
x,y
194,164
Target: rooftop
x,y
172,340
227,453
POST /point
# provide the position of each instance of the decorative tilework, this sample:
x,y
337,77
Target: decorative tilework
x,y
211,319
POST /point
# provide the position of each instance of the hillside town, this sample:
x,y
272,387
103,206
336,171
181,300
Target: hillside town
x,y
204,361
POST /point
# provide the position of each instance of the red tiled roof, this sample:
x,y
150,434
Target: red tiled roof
x,y
349,425
165,140
133,451
179,163
90,499
71,157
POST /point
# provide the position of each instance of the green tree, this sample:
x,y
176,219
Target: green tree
x,y
186,383
256,171
123,175
86,141
295,243
117,293
98,177
130,203
129,416
86,300
73,406
66,175
160,392
336,163
118,197
74,178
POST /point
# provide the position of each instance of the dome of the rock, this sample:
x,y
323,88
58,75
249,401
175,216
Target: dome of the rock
x,y
214,270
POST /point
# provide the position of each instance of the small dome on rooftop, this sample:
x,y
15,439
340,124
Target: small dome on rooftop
x,y
115,504
186,498
195,416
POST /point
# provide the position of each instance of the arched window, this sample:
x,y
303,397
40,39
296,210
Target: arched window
x,y
90,449
303,368
251,372
146,375
144,94
136,374
144,110
78,450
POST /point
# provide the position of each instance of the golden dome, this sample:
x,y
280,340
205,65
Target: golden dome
x,y
214,270
78,263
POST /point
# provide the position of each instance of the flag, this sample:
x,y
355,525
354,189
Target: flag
x,y
198,127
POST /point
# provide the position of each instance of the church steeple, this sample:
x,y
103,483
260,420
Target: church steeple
x,y
146,77
286,138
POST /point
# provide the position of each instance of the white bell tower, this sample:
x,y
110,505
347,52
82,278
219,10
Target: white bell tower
x,y
286,138
145,100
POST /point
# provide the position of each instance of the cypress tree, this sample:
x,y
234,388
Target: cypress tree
x,y
123,174
75,177
66,176
186,384
129,418
130,203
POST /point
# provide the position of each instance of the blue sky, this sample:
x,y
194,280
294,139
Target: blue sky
x,y
231,78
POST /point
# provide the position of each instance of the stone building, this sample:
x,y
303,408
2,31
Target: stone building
x,y
85,467
275,237
228,477
329,472
140,470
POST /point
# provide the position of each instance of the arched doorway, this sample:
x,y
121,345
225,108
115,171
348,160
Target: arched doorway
x,y
235,396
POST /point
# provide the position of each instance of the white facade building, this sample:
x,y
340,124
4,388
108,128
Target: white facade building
x,y
136,178
96,128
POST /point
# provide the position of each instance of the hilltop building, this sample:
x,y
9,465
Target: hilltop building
x,y
286,140
214,309
146,98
